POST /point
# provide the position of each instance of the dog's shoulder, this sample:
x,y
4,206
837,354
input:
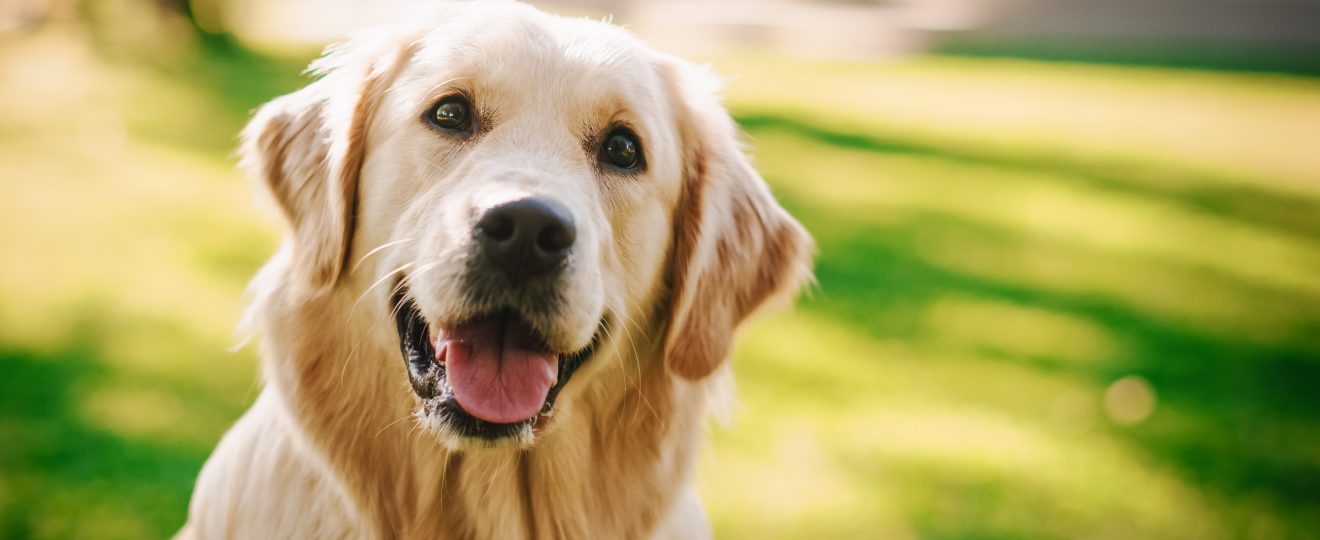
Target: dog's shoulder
x,y
261,482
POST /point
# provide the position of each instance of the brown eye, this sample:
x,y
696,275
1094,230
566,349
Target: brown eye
x,y
621,149
452,113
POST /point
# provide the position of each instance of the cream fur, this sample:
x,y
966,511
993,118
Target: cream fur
x,y
678,255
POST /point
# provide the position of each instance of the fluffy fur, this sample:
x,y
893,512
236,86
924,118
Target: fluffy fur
x,y
678,255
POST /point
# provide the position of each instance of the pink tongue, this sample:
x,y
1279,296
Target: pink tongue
x,y
497,374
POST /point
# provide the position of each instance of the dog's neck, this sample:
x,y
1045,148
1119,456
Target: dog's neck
x,y
619,455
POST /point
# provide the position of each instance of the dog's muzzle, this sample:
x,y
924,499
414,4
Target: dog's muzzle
x,y
493,373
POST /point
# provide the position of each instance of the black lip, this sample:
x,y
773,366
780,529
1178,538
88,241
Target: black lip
x,y
427,377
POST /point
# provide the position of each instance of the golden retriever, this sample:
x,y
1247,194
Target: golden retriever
x,y
519,246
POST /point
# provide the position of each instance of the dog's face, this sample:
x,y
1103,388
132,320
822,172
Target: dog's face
x,y
528,175
521,194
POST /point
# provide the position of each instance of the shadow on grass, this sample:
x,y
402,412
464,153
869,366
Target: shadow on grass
x,y
1240,411
64,477
1223,197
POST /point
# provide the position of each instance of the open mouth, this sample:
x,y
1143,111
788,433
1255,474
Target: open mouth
x,y
491,376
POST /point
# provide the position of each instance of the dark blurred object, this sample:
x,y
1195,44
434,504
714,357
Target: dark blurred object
x,y
1253,35
1256,35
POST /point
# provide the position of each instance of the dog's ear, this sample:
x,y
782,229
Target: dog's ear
x,y
307,148
734,246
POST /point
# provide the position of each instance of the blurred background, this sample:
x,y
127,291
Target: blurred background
x,y
1069,271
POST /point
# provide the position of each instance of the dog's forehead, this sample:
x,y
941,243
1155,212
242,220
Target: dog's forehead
x,y
515,56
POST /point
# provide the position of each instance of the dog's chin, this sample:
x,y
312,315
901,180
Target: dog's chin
x,y
490,379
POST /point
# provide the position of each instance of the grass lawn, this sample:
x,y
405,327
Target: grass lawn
x,y
1054,301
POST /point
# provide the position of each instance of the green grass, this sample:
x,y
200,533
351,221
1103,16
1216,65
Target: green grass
x,y
1000,242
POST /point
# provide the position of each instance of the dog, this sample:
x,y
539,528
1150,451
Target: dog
x,y
518,249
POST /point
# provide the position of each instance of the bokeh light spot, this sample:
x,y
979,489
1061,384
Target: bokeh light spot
x,y
1129,400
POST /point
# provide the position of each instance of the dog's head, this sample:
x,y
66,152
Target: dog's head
x,y
521,194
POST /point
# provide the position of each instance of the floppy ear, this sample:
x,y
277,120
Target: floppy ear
x,y
734,246
307,149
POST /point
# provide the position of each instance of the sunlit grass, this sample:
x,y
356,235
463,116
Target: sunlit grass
x,y
1213,124
1054,301
932,436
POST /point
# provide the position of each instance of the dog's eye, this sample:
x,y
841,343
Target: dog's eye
x,y
621,149
452,113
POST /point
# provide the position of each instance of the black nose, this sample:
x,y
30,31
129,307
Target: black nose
x,y
527,238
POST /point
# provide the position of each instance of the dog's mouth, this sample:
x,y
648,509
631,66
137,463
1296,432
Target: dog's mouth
x,y
490,376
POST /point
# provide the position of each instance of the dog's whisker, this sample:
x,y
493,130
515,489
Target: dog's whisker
x,y
610,337
434,89
636,356
394,311
377,283
619,362
382,279
387,426
632,343
425,268
378,249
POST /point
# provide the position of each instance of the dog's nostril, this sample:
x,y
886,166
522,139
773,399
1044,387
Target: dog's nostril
x,y
555,238
497,226
527,238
